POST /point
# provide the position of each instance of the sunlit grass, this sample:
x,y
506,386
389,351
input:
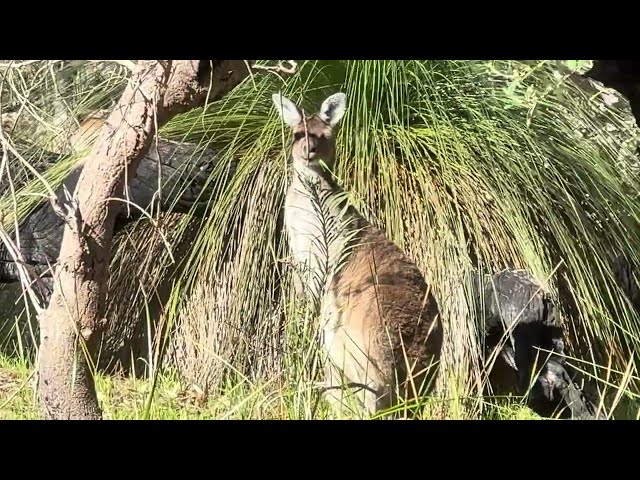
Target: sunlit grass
x,y
467,165
126,398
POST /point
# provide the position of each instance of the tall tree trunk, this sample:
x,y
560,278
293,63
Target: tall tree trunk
x,y
69,326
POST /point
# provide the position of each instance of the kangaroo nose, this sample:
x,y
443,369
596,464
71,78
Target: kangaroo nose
x,y
310,148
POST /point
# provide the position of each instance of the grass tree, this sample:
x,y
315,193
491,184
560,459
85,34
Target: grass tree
x,y
470,166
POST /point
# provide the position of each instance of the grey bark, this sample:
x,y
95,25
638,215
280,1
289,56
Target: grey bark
x,y
621,75
513,301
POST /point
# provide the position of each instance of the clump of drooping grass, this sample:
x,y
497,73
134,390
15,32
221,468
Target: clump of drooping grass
x,y
467,165
466,169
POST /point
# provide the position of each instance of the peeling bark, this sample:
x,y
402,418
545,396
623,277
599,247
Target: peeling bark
x,y
157,91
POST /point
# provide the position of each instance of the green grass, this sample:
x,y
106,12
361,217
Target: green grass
x,y
126,398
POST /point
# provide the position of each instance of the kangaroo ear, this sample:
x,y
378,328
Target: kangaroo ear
x,y
333,108
288,110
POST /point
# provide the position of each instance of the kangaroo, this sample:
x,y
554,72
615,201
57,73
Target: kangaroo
x,y
378,317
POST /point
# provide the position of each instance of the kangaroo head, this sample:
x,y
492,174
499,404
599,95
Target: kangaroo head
x,y
314,135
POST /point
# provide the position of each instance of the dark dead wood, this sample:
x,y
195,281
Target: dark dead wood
x,y
172,177
514,302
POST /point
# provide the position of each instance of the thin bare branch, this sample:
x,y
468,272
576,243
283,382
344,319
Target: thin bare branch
x,y
280,68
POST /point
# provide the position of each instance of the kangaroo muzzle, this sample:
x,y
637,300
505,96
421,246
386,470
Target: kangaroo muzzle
x,y
309,148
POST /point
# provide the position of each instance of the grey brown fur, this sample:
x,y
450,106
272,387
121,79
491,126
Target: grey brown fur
x,y
377,313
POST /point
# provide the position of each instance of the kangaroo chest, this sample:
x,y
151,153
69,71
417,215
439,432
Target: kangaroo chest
x,y
316,235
